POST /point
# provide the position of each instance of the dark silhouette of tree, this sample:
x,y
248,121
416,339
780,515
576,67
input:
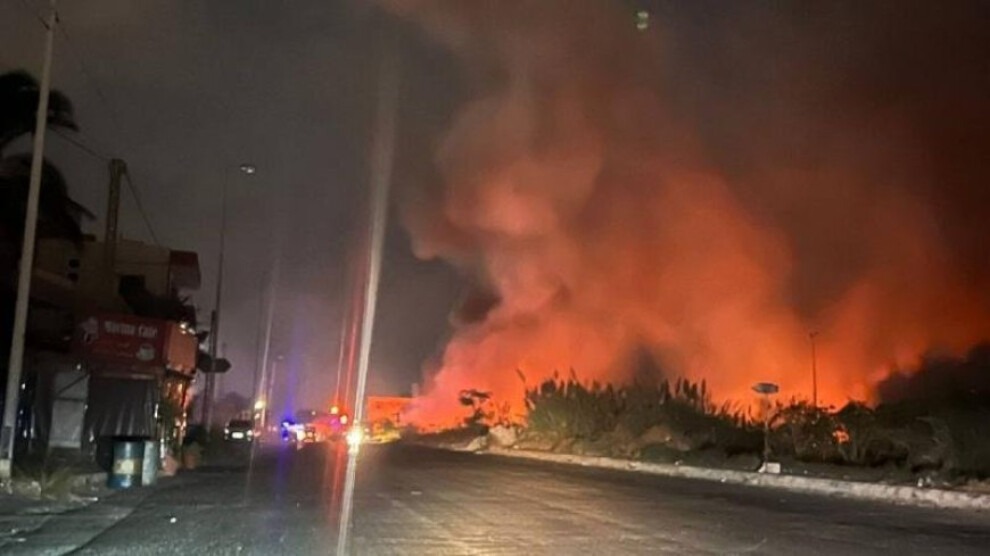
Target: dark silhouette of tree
x,y
58,214
19,103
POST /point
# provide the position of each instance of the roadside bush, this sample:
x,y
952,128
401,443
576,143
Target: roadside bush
x,y
570,409
970,455
676,421
857,432
690,410
948,438
806,432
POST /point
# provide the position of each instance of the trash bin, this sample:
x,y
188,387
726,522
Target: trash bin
x,y
128,461
149,469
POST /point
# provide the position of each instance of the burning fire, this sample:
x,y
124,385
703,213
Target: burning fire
x,y
597,220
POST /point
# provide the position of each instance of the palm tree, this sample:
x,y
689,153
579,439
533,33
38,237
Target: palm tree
x,y
19,102
58,214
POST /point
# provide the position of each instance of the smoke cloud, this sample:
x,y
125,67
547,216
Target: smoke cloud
x,y
706,193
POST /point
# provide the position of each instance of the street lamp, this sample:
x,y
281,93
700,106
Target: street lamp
x,y
207,417
814,369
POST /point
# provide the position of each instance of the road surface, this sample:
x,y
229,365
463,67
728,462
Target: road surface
x,y
413,500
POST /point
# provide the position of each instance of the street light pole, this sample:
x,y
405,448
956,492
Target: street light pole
x,y
15,366
814,369
210,385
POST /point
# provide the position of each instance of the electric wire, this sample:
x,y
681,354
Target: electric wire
x,y
140,207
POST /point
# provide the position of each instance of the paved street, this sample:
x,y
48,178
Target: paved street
x,y
413,500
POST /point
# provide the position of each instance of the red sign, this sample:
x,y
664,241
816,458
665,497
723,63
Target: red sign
x,y
124,339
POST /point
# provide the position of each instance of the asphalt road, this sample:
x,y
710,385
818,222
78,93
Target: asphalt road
x,y
412,500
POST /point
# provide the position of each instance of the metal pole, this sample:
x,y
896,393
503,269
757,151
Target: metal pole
x,y
117,169
215,329
340,360
16,363
205,410
814,370
766,430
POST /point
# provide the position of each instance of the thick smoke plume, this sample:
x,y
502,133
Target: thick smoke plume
x,y
707,192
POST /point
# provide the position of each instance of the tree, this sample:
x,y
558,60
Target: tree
x,y
58,214
19,102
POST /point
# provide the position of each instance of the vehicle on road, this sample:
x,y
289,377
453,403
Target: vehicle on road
x,y
239,430
307,426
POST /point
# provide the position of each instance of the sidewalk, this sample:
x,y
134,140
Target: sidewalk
x,y
33,524
25,510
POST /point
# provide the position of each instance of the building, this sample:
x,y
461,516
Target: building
x,y
112,344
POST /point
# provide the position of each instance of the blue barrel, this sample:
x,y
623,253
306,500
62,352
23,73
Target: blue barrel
x,y
128,461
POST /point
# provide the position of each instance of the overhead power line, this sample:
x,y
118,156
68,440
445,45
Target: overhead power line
x,y
140,207
76,142
34,13
77,56
74,139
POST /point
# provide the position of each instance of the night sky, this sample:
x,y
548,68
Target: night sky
x,y
185,91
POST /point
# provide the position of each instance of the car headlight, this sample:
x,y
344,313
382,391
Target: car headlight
x,y
355,436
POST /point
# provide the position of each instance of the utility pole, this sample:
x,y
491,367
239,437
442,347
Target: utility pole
x,y
208,388
206,409
117,169
814,369
15,366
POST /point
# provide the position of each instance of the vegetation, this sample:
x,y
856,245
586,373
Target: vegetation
x,y
930,429
678,421
574,409
58,214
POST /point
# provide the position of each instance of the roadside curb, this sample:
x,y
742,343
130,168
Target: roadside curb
x,y
897,494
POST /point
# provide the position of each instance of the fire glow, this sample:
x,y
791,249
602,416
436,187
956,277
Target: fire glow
x,y
585,205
